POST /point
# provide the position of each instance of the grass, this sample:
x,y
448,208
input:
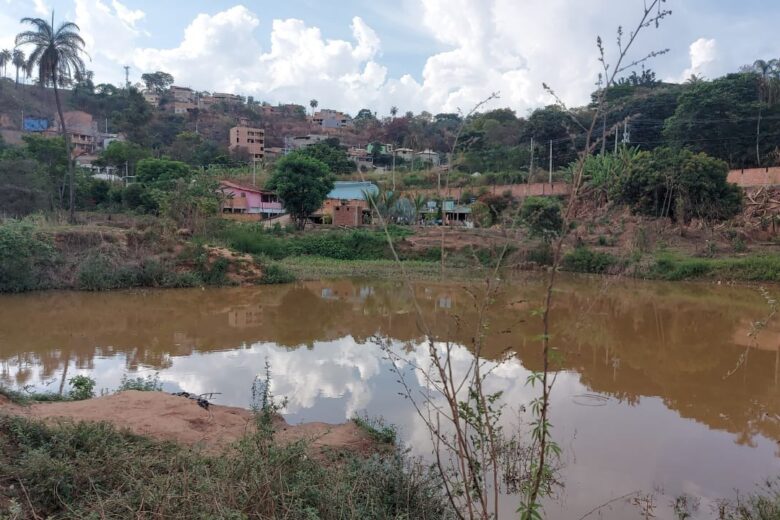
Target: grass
x,y
670,266
377,428
316,268
93,470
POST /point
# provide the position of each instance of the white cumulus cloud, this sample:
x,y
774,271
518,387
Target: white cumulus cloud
x,y
703,53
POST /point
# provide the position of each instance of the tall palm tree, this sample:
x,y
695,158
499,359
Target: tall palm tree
x,y
57,55
393,111
20,62
5,59
313,104
766,87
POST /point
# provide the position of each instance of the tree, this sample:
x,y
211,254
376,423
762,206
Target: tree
x,y
121,153
161,172
5,59
313,104
719,118
157,82
393,111
332,154
302,183
679,184
18,60
56,54
542,217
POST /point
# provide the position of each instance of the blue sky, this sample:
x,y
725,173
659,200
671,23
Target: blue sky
x,y
436,55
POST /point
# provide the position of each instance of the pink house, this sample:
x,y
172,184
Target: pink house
x,y
249,200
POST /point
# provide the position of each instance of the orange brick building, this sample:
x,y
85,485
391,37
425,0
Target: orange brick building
x,y
251,139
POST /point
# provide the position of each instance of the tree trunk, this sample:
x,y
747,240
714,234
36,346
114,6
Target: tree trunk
x,y
758,137
17,77
66,137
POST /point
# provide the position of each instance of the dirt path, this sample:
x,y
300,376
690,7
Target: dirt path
x,y
167,417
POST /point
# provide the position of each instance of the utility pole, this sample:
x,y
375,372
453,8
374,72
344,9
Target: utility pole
x,y
531,167
617,136
254,172
551,166
393,169
626,134
127,76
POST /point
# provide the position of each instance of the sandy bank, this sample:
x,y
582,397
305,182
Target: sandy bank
x,y
167,417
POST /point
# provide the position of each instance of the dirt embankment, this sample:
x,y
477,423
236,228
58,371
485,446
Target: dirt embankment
x,y
173,418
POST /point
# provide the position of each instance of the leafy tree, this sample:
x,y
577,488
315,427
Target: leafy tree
x,y
679,184
157,81
23,189
332,154
119,153
161,172
302,183
542,217
50,155
719,118
56,53
313,104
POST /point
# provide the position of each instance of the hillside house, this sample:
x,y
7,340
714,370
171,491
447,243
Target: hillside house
x,y
249,200
407,154
428,157
346,203
331,119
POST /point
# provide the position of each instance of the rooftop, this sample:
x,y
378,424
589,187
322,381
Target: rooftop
x,y
352,190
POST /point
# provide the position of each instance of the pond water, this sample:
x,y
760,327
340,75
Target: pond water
x,y
661,388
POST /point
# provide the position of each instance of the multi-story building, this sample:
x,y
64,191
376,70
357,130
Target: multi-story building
x,y
249,138
151,97
302,141
331,119
184,100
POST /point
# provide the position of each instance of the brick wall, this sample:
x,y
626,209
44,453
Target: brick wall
x,y
755,177
347,215
517,190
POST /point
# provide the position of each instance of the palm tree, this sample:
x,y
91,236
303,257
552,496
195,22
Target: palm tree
x,y
419,201
393,111
5,59
765,70
18,60
56,54
313,104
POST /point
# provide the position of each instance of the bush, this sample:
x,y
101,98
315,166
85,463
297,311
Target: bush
x,y
583,260
276,274
82,387
142,384
679,184
97,273
25,256
92,470
542,217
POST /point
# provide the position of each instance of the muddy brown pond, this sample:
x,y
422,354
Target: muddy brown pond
x,y
661,389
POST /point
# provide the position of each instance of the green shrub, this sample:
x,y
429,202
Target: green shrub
x,y
541,255
82,387
276,274
25,256
583,260
150,383
97,273
377,429
542,217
